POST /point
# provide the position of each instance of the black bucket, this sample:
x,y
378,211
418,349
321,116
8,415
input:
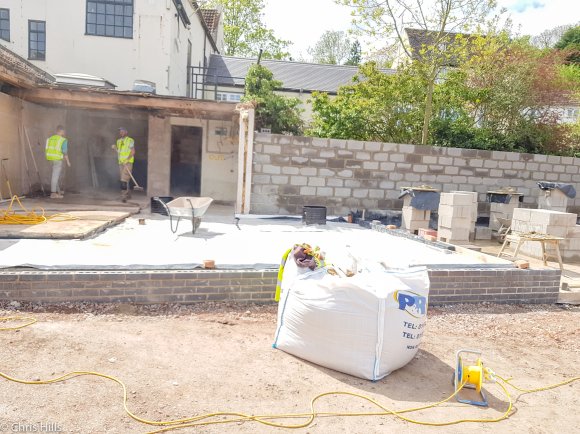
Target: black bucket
x,y
314,215
157,204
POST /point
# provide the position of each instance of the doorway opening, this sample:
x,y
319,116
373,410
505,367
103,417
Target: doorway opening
x,y
186,143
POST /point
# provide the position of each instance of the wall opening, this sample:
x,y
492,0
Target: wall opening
x,y
186,148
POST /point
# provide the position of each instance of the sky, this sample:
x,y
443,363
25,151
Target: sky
x,y
304,21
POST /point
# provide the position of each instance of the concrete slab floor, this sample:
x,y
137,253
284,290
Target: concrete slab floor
x,y
88,214
251,244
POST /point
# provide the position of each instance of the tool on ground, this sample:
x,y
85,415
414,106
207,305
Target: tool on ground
x,y
21,139
192,207
137,186
471,376
34,160
5,175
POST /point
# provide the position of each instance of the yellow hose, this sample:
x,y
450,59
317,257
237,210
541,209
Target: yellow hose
x,y
269,419
33,217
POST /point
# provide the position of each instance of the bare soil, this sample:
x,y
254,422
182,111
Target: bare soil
x,y
179,361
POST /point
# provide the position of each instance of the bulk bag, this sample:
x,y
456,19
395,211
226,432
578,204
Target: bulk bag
x,y
367,325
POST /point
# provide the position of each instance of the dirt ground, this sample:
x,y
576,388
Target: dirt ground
x,y
180,361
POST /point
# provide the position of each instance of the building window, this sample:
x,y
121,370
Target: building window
x,y
5,24
36,40
112,18
226,96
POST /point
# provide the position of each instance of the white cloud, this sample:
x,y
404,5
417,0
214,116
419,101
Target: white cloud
x,y
534,20
304,21
523,5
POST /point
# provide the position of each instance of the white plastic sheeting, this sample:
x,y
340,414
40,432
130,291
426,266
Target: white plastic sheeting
x,y
367,325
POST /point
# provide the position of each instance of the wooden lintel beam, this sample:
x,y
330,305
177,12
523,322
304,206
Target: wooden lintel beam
x,y
82,98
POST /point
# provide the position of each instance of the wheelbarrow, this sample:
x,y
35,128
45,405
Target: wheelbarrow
x,y
187,207
504,229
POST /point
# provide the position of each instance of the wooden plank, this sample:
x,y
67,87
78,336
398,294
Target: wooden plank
x,y
114,100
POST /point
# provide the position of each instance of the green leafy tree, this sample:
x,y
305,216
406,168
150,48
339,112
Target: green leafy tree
x,y
279,113
355,57
504,96
387,20
245,33
377,107
570,41
333,48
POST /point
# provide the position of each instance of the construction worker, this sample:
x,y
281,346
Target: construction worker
x,y
57,150
125,148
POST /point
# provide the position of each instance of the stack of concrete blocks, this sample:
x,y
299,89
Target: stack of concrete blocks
x,y
413,218
503,210
548,222
473,215
553,200
456,217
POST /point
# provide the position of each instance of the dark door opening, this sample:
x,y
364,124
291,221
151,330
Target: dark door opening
x,y
186,145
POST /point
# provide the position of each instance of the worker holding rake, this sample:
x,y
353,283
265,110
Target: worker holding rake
x,y
125,148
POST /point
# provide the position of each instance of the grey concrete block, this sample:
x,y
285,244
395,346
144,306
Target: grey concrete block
x,y
289,170
272,149
355,145
308,191
298,180
308,171
316,182
282,179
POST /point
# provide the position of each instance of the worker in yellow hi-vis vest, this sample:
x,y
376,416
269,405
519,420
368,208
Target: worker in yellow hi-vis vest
x,y
57,150
125,148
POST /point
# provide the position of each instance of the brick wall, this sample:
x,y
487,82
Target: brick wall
x,y
451,286
290,172
138,287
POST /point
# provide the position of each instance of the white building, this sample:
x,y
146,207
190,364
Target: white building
x,y
120,41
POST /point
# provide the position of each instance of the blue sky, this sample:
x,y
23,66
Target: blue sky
x,y
304,21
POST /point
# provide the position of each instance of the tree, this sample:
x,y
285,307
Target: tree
x,y
443,19
376,107
279,113
245,34
355,57
504,96
570,41
333,47
550,37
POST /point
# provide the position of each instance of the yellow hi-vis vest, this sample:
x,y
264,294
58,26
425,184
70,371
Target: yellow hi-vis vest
x,y
54,148
124,150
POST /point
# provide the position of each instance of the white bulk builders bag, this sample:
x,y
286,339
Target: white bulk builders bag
x,y
367,325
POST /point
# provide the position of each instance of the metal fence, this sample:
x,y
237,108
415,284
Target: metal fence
x,y
206,83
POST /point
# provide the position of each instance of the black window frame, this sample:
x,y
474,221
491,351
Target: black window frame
x,y
37,40
110,18
7,20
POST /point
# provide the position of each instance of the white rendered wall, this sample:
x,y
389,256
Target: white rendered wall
x,y
157,52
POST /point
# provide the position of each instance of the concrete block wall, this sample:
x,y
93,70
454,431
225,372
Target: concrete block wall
x,y
548,222
290,172
554,200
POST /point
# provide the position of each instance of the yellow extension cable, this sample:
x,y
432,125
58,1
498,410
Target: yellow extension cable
x,y
10,216
234,417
